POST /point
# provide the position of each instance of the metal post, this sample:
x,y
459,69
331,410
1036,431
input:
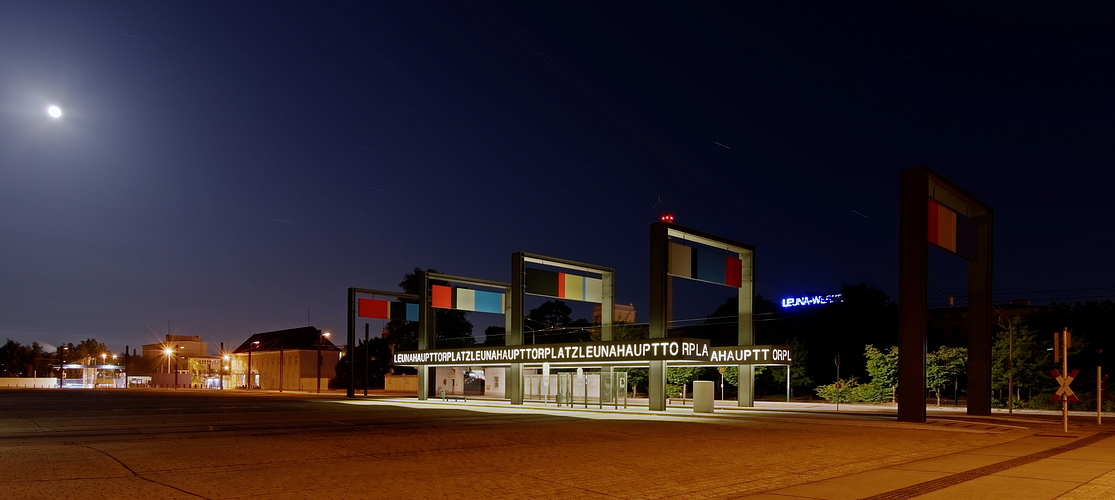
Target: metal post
x,y
175,367
351,339
221,380
1099,395
660,307
320,340
366,357
126,360
1065,373
787,383
248,378
281,364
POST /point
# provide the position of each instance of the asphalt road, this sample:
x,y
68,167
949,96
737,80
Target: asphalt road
x,y
222,445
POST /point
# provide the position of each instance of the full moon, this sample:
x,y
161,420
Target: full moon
x,y
54,111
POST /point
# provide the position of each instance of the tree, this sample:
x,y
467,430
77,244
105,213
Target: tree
x,y
1030,359
17,360
551,314
552,324
944,365
799,374
636,377
883,367
1091,323
495,336
721,327
376,354
87,351
679,376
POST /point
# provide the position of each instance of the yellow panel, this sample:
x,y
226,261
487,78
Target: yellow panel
x,y
574,287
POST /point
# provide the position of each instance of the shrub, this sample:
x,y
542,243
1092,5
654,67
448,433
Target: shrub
x,y
873,393
842,391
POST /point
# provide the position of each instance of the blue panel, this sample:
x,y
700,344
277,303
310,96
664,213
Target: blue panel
x,y
412,312
710,265
965,237
489,302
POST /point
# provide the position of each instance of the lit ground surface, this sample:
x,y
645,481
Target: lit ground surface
x,y
197,444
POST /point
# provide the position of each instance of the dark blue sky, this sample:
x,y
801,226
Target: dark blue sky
x,y
227,167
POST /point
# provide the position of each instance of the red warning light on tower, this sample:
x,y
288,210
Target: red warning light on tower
x,y
667,217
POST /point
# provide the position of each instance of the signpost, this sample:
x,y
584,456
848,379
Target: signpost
x,y
1061,343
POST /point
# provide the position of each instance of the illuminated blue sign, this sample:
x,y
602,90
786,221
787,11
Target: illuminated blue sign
x,y
811,301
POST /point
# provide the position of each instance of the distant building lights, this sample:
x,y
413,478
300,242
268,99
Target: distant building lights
x,y
812,301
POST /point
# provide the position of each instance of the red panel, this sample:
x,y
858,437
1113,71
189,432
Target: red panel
x,y
561,285
441,296
371,308
932,235
733,271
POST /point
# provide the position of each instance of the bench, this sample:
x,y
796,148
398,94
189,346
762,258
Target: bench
x,y
453,397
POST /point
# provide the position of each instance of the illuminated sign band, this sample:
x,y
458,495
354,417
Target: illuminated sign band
x,y
677,350
811,301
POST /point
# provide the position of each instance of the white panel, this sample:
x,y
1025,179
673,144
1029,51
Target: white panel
x,y
594,290
466,299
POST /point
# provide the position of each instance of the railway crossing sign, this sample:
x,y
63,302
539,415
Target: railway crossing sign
x,y
1064,393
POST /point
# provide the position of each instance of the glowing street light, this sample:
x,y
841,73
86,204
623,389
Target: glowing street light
x,y
54,112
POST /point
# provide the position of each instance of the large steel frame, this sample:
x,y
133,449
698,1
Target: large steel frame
x,y
427,335
517,301
916,186
661,303
352,292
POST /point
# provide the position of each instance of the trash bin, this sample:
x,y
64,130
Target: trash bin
x,y
703,393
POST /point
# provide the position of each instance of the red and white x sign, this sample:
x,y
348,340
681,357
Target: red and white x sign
x,y
1064,393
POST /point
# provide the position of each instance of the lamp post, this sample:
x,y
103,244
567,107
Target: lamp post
x,y
224,367
173,351
321,340
62,367
168,352
251,347
115,370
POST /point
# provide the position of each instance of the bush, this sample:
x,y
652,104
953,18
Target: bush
x,y
847,392
673,390
1041,401
873,393
1109,406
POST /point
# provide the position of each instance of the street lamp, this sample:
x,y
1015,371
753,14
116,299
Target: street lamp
x,y
173,351
321,340
224,367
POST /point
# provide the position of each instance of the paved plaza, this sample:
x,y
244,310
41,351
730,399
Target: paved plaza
x,y
184,444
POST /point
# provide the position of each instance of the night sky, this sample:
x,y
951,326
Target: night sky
x,y
230,168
